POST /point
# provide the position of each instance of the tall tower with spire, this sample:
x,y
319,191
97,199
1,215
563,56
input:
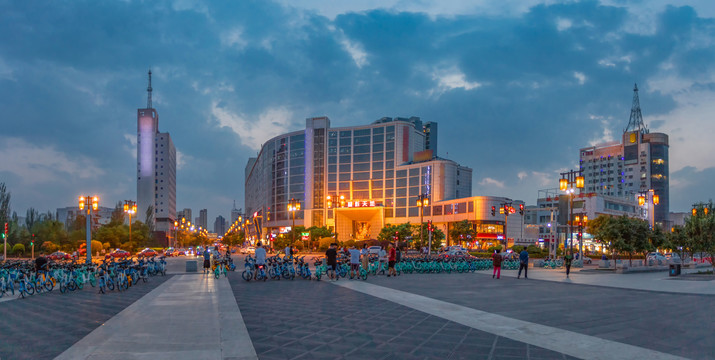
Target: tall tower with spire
x,y
627,168
156,171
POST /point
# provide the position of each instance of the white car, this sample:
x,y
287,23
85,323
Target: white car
x,y
373,250
250,250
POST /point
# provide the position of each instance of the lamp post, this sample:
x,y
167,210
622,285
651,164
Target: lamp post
x,y
568,181
91,203
649,197
422,202
130,207
337,204
293,206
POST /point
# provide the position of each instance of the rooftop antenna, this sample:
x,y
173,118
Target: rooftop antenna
x,y
148,89
635,123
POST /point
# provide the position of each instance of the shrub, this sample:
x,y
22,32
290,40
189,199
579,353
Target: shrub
x,y
18,249
49,247
97,246
325,243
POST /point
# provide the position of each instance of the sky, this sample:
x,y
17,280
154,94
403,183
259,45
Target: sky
x,y
517,87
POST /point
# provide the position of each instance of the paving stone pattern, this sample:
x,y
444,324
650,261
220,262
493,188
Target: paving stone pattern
x,y
673,323
317,320
42,326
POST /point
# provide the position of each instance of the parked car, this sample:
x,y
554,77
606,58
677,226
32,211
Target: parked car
x,y
118,254
170,252
59,255
509,256
181,252
701,257
455,254
373,250
250,250
148,253
656,258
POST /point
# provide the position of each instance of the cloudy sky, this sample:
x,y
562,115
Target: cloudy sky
x,y
516,86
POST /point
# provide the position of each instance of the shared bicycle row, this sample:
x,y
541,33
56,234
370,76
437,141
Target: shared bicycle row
x,y
25,279
277,267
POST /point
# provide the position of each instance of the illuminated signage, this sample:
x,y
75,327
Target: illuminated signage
x,y
361,204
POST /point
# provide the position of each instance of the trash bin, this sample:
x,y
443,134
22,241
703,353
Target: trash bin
x,y
674,270
192,266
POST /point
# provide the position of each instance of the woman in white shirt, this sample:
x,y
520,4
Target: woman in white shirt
x,y
382,256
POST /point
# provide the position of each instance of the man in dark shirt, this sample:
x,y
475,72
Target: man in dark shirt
x,y
41,263
523,263
567,262
331,255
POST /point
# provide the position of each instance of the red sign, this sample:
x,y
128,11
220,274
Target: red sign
x,y
365,203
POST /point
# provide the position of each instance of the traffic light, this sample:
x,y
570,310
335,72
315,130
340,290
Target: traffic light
x,y
32,242
494,210
397,235
506,210
521,209
4,234
429,225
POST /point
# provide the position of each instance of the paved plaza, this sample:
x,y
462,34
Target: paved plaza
x,y
591,315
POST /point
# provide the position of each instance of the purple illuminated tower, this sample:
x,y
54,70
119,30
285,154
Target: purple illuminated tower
x,y
156,169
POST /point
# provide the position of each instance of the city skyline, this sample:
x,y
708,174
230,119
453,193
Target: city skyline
x,y
518,89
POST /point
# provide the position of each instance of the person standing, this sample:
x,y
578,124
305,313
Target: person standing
x,y
365,257
354,262
523,263
260,255
207,260
496,261
391,261
289,253
331,256
567,262
382,258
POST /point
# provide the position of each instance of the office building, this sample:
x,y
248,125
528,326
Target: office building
x,y
632,166
373,175
156,169
203,219
220,225
235,213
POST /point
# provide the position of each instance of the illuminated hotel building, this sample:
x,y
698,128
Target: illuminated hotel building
x,y
156,169
373,175
627,168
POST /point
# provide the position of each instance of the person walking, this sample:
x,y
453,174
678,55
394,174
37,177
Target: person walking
x,y
391,261
523,263
331,256
382,258
567,262
289,253
496,261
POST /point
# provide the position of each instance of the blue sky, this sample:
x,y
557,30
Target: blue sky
x,y
516,86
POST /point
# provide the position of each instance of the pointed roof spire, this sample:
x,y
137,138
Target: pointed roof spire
x,y
148,89
635,123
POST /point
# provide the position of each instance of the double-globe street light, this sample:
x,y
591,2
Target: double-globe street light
x,y
650,197
293,206
569,182
130,207
422,202
92,204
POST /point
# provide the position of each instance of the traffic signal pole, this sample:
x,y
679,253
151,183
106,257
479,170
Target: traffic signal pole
x,y
4,248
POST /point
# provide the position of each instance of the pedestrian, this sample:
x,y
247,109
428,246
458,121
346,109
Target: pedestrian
x,y
289,253
364,253
523,263
567,262
260,255
496,261
398,258
354,262
331,255
207,261
382,259
391,261
41,263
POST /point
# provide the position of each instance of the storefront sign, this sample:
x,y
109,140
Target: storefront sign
x,y
357,204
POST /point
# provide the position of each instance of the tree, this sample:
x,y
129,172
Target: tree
x,y
18,249
4,204
403,232
701,229
461,231
31,217
605,231
117,215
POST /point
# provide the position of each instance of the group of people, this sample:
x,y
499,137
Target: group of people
x,y
524,263
213,256
362,257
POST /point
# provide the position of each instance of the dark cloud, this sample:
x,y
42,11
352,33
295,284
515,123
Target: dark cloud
x,y
542,84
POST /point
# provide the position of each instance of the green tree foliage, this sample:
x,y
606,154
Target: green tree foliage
x,y
4,205
387,234
701,229
49,247
117,215
52,231
31,217
461,231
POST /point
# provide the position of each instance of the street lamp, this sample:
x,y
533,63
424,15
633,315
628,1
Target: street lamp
x,y
568,181
293,206
92,204
340,202
130,207
650,197
422,202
